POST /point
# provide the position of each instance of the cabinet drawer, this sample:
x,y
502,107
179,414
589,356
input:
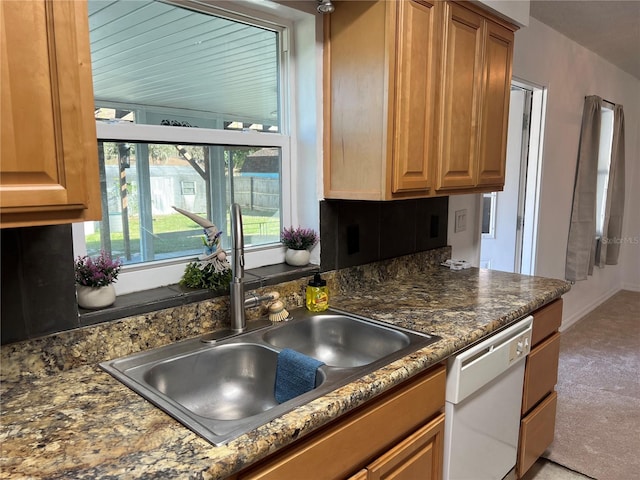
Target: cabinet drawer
x,y
546,321
340,449
418,456
541,372
536,433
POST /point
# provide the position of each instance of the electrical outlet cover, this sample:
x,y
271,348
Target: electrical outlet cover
x,y
461,221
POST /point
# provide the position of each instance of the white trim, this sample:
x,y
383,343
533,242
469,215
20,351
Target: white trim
x,y
539,95
534,172
79,245
163,134
267,14
586,309
168,272
493,206
634,287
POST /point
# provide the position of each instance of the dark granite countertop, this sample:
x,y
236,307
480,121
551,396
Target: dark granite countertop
x,y
81,423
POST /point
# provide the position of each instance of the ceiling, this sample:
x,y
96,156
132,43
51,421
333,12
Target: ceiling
x,y
610,28
162,57
210,68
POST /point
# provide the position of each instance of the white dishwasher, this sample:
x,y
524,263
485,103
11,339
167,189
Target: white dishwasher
x,y
483,400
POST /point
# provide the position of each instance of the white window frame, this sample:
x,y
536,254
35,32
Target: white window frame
x,y
492,214
604,165
149,275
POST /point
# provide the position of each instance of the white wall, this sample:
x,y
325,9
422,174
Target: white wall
x,y
570,72
514,11
630,254
465,245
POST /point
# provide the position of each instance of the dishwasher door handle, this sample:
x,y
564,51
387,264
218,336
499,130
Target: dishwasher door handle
x,y
476,367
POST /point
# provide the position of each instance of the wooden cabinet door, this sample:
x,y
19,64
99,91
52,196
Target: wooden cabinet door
x,y
413,121
536,433
498,54
347,445
361,475
49,147
418,456
460,98
541,372
356,51
546,321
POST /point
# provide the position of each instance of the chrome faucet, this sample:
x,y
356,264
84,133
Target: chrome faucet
x,y
238,320
238,301
236,290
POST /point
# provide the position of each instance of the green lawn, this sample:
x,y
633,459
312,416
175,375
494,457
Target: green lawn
x,y
178,233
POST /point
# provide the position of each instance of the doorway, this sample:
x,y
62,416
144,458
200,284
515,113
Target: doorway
x,y
510,217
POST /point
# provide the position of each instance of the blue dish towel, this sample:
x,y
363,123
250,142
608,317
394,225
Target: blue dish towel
x,y
295,374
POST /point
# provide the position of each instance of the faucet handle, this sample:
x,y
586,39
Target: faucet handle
x,y
253,300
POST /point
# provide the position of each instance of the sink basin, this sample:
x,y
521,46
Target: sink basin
x,y
231,381
225,389
338,340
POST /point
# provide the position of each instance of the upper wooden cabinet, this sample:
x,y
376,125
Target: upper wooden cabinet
x,y
381,63
412,108
474,101
497,64
460,98
416,99
48,157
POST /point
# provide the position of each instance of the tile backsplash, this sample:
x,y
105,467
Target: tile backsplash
x,y
37,279
75,348
38,287
357,232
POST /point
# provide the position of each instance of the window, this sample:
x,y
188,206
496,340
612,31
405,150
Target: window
x,y
192,110
143,181
489,215
188,188
604,163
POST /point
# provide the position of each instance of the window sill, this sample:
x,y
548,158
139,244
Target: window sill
x,y
146,301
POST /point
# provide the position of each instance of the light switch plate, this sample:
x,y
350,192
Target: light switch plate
x,y
461,221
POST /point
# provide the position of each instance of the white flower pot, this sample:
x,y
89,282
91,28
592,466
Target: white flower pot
x,y
297,258
96,297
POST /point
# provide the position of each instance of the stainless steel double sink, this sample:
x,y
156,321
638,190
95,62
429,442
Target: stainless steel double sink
x,y
225,389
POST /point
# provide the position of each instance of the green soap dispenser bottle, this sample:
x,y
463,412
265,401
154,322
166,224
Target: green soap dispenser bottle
x,y
317,294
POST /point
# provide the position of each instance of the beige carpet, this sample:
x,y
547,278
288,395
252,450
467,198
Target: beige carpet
x,y
598,417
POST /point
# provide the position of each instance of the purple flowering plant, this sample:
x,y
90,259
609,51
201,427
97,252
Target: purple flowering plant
x,y
97,271
299,238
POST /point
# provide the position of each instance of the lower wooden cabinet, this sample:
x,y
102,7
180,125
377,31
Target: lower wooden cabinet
x,y
361,475
539,398
547,320
536,433
418,456
541,372
392,436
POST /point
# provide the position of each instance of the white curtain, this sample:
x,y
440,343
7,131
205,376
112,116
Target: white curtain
x,y
584,248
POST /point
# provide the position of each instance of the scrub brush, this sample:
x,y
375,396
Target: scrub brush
x,y
277,312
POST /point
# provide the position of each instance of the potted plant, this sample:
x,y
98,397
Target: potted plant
x,y
298,242
94,280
